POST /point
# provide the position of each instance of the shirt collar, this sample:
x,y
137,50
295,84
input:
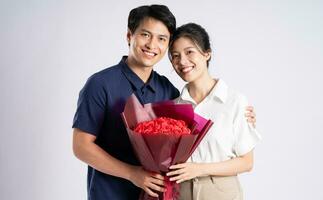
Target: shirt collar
x,y
185,95
219,92
134,79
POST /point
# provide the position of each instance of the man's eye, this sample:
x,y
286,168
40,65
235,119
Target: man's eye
x,y
162,39
145,34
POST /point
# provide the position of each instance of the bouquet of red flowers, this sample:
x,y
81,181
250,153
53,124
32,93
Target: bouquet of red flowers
x,y
163,134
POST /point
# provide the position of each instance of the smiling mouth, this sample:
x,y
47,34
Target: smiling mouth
x,y
186,70
149,53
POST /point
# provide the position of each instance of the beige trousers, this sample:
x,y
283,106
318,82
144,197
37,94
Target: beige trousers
x,y
211,188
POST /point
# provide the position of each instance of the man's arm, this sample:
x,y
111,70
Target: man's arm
x,y
251,115
85,149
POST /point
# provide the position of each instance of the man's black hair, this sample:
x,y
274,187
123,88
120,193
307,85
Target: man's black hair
x,y
158,12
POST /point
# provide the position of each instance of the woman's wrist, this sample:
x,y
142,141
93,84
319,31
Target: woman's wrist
x,y
205,169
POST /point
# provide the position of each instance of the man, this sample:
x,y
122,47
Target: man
x,y
100,138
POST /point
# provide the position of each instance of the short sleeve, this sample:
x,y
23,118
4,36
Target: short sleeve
x,y
246,136
91,106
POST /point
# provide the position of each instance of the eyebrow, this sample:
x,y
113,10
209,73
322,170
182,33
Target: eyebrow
x,y
144,30
184,49
190,48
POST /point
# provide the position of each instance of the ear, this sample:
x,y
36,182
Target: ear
x,y
129,34
208,54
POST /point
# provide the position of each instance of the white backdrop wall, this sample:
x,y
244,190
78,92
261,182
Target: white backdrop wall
x,y
269,50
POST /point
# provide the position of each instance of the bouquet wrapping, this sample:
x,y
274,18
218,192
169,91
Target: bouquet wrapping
x,y
158,151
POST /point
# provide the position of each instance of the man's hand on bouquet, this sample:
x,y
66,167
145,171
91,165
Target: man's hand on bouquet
x,y
148,181
251,115
184,171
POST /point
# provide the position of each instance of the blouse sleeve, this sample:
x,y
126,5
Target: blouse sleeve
x,y
246,136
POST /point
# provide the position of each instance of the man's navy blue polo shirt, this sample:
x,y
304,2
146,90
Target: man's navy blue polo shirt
x,y
100,103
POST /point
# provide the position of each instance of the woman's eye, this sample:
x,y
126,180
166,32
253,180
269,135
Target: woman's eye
x,y
174,56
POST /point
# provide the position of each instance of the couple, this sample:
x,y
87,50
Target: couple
x,y
100,138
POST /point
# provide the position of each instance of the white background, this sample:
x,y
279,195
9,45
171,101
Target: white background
x,y
269,50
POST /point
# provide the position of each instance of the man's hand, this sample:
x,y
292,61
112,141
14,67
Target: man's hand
x,y
251,115
148,181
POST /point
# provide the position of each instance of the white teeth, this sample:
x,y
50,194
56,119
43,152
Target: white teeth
x,y
149,53
187,69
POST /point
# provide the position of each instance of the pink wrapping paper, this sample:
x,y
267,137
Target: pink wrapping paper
x,y
157,153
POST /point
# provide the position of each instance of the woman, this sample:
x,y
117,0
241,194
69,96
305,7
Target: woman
x,y
227,149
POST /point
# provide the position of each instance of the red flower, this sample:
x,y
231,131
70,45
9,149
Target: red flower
x,y
163,125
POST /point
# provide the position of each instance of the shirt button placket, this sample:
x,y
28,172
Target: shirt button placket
x,y
142,94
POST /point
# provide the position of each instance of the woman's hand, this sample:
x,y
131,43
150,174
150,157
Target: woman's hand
x,y
251,115
148,181
185,171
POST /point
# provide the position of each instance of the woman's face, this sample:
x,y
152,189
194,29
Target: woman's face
x,y
189,62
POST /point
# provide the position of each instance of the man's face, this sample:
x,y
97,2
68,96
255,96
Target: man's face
x,y
149,42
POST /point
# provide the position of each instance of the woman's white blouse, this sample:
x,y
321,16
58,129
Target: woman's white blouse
x,y
231,135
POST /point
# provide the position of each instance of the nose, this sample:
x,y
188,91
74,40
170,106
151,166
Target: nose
x,y
151,43
183,60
